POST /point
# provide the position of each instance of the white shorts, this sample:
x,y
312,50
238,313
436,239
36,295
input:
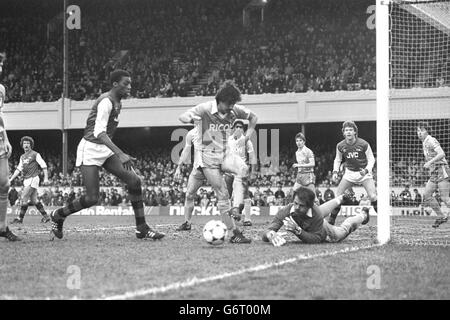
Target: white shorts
x,y
31,182
92,154
355,176
235,165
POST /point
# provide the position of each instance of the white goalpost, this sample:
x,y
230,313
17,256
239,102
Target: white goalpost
x,y
382,81
413,84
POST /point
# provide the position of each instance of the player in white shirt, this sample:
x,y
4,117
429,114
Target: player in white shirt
x,y
439,172
5,153
305,165
237,184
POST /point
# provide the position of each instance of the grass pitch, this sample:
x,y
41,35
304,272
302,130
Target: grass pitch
x,y
100,258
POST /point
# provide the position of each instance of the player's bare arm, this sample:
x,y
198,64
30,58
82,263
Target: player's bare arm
x,y
185,154
337,163
123,157
252,121
370,162
189,117
8,147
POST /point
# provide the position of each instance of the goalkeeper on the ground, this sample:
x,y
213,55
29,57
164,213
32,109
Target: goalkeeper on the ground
x,y
306,220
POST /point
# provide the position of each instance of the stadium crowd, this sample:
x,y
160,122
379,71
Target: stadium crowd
x,y
271,185
168,46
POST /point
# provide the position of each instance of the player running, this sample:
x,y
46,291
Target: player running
x,y
5,153
216,118
359,162
29,164
439,170
237,185
96,150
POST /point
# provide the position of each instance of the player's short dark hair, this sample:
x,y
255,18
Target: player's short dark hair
x,y
27,138
117,75
306,195
424,125
300,135
350,124
228,93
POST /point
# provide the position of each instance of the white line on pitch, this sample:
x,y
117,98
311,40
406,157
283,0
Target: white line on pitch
x,y
194,281
97,229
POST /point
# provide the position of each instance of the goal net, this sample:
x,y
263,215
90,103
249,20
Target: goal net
x,y
419,90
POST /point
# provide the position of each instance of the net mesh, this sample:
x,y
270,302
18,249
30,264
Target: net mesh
x,y
419,91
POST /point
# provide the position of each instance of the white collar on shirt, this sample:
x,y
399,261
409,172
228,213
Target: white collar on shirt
x,y
426,139
309,213
214,106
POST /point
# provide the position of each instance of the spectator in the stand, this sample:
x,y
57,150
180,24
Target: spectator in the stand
x,y
394,199
280,193
328,194
257,201
319,196
405,197
417,198
204,202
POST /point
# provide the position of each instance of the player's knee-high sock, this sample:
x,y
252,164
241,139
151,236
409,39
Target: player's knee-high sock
x,y
247,209
229,179
434,204
374,205
137,203
41,209
224,207
74,206
246,206
3,208
349,225
334,213
23,210
188,209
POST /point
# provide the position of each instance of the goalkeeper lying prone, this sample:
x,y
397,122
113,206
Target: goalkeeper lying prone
x,y
306,220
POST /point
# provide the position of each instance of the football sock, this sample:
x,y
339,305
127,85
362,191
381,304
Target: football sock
x,y
375,205
224,207
138,207
188,209
3,208
247,209
335,212
41,209
432,202
135,196
72,207
23,210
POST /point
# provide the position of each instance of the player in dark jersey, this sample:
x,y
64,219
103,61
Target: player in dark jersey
x,y
359,162
215,118
96,150
29,165
5,153
305,220
439,170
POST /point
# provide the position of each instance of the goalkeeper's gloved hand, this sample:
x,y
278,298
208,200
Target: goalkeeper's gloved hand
x,y
292,226
276,239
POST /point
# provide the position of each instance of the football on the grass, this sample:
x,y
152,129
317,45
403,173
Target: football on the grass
x,y
215,232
